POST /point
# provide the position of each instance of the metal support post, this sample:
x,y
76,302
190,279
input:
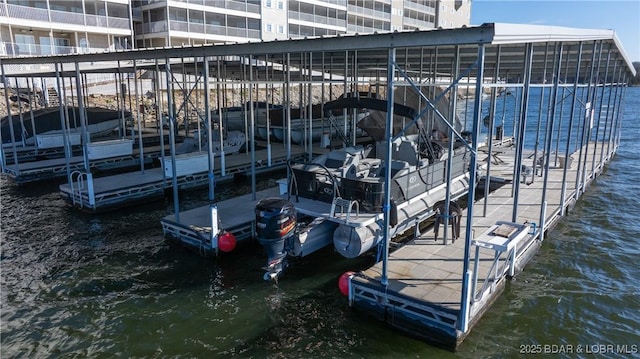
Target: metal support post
x,y
524,106
172,141
207,118
387,172
549,132
477,113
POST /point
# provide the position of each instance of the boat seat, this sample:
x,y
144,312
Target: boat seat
x,y
396,167
407,152
362,168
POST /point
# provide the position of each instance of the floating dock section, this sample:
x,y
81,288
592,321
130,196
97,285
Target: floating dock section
x,y
105,193
425,282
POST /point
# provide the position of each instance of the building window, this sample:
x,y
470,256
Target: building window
x,y
280,29
267,3
280,5
268,28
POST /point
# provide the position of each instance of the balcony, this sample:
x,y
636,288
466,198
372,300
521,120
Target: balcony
x,y
375,14
352,29
11,49
198,28
226,4
317,19
415,23
152,27
64,17
27,13
420,7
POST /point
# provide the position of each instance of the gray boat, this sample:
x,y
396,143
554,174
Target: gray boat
x,y
338,197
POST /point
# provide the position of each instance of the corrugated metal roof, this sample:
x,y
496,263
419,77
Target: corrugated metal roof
x,y
414,49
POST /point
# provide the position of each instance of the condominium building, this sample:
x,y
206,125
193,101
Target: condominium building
x,y
40,27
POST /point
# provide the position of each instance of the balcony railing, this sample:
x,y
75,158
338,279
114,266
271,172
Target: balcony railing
x,y
317,19
67,17
226,4
118,22
352,29
11,49
27,13
64,17
420,7
214,29
422,24
95,20
369,12
152,27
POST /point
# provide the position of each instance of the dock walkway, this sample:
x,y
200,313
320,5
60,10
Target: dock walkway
x,y
425,277
100,194
236,215
29,172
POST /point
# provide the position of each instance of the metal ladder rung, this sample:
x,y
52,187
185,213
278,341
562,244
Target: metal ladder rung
x,y
344,203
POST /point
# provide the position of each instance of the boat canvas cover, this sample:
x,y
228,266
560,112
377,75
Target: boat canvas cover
x,y
375,123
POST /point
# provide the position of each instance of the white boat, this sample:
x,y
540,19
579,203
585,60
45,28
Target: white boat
x,y
232,143
233,118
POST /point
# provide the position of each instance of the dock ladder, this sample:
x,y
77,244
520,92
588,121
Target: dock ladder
x,y
344,203
81,182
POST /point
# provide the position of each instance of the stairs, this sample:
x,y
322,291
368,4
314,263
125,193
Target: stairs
x,y
52,95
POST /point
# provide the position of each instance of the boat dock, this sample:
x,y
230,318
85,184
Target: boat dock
x,y
109,192
35,171
193,227
41,164
423,296
557,92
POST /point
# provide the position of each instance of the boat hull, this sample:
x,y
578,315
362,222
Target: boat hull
x,y
100,121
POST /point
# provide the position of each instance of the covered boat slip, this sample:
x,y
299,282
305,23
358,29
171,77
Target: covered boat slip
x,y
556,91
425,281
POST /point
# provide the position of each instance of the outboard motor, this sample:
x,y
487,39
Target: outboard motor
x,y
275,226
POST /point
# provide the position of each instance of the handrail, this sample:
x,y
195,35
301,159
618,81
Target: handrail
x,y
332,123
331,176
78,176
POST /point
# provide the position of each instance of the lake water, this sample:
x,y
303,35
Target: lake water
x,y
76,285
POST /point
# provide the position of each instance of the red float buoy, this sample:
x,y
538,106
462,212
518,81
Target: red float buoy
x,y
227,242
343,282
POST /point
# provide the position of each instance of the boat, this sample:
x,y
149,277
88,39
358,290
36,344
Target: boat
x,y
233,118
100,122
338,197
329,122
232,142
